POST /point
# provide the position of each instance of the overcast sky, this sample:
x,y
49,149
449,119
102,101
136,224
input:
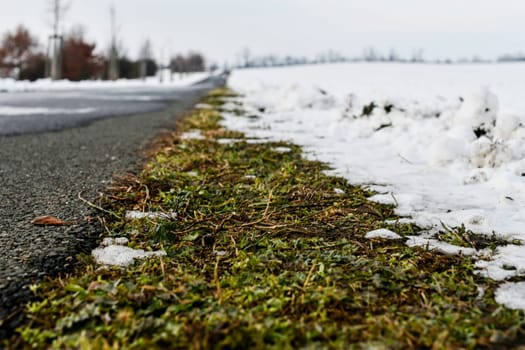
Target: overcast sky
x,y
222,28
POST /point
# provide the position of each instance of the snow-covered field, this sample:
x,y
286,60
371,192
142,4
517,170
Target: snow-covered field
x,y
444,143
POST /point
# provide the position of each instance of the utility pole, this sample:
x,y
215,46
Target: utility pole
x,y
113,70
161,66
56,41
145,55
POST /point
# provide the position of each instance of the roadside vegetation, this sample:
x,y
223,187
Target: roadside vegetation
x,y
265,251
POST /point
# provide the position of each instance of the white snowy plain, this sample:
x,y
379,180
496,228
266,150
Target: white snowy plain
x,y
444,143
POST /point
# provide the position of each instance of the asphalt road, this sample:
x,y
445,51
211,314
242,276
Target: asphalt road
x,y
40,111
46,160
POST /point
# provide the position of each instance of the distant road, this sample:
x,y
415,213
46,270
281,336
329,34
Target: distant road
x,y
42,173
40,111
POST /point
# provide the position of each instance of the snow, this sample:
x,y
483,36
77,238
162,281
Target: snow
x,y
512,295
136,214
444,143
382,233
192,135
439,246
150,89
11,110
507,261
12,85
282,149
339,191
114,252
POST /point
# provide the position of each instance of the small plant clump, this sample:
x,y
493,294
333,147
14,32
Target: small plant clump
x,y
265,251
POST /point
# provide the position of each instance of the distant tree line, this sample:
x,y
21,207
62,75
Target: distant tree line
x,y
193,62
370,54
23,57
519,57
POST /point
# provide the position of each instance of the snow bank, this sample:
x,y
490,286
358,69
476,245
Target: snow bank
x,y
9,110
446,157
445,143
11,85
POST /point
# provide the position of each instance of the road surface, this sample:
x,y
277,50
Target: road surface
x,y
46,159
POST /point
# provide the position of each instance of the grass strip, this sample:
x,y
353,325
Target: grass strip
x,y
266,251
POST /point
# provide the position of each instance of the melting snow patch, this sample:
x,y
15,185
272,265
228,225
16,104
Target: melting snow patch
x,y
382,233
228,141
106,242
192,135
136,214
229,106
511,295
203,106
508,261
339,191
439,246
282,149
118,255
113,252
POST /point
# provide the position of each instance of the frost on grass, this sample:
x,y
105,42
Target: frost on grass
x,y
382,233
114,252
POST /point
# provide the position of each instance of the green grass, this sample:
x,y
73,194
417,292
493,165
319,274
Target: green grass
x,y
264,253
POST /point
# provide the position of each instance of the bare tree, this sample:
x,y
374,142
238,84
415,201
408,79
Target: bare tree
x,y
393,56
417,56
17,49
370,54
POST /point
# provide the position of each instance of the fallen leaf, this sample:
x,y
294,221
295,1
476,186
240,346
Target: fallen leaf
x,y
48,220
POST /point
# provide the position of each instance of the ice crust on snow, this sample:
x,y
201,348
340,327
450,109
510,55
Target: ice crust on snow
x,y
382,233
444,143
114,252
